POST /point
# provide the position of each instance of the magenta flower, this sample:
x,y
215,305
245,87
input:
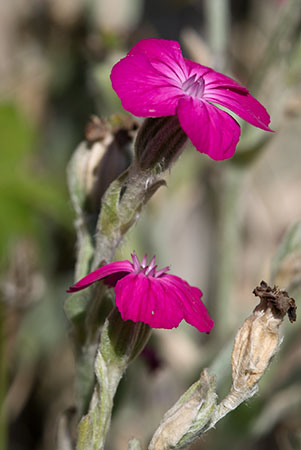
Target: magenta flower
x,y
145,294
154,80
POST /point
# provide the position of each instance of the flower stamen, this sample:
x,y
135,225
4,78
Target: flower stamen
x,y
149,270
194,86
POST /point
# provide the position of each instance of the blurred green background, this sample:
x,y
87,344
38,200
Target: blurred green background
x,y
222,226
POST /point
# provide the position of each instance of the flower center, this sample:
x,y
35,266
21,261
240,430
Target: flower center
x,y
149,270
194,86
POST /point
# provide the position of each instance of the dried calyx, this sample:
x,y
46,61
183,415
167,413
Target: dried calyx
x,y
277,300
256,342
258,339
122,126
102,157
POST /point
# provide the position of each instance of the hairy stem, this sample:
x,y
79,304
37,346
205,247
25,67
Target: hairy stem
x,y
120,343
121,206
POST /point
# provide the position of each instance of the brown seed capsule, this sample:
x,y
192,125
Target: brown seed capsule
x,y
258,339
255,344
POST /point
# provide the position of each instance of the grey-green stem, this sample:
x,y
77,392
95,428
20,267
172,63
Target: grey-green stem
x,y
121,207
120,343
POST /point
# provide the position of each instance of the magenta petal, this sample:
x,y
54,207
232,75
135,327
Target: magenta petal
x,y
212,79
215,80
164,55
142,89
98,274
242,104
211,130
194,311
147,299
161,302
195,68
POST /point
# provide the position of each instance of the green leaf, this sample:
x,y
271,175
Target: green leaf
x,y
16,138
25,195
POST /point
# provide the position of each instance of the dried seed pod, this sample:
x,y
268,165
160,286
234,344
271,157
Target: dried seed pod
x,y
256,343
258,339
99,160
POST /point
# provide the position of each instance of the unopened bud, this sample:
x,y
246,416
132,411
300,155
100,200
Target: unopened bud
x,y
187,419
124,339
159,141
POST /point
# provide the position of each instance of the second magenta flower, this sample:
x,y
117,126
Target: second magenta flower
x,y
145,294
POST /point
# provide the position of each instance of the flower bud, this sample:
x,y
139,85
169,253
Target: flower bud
x,y
124,340
159,141
187,419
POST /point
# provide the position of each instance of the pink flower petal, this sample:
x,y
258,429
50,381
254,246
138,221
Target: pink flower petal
x,y
242,104
142,89
211,130
212,79
113,268
146,299
194,68
161,302
194,311
164,55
